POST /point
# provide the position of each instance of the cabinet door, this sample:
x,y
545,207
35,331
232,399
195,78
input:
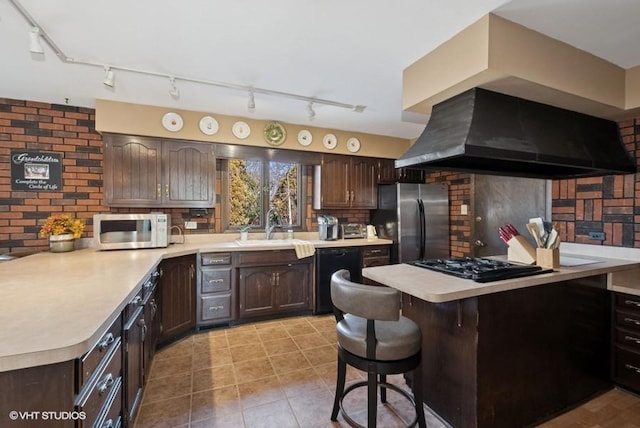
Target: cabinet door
x,y
134,331
363,184
132,171
335,191
152,321
386,171
292,288
257,290
178,295
189,175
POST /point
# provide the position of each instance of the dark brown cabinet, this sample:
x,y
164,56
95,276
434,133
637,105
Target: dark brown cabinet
x,y
389,174
346,182
626,341
148,172
134,331
375,255
272,282
177,288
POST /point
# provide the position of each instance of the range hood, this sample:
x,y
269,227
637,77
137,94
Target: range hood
x,y
487,132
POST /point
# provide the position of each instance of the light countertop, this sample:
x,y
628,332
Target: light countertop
x,y
431,286
55,306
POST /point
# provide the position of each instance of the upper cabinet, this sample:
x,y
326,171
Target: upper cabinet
x,y
346,182
148,172
389,174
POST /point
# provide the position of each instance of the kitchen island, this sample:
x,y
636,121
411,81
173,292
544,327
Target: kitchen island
x,y
515,352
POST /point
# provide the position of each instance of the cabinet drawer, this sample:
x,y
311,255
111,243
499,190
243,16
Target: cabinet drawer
x,y
627,369
270,257
381,251
216,307
111,416
628,302
133,304
628,320
214,280
91,360
628,338
208,259
375,261
94,396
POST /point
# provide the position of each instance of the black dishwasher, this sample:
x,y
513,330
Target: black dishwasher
x,y
329,260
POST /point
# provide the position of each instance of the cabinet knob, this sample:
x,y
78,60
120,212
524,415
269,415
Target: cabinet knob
x,y
105,384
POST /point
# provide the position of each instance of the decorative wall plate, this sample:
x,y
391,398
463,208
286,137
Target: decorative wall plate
x,y
353,144
241,130
274,133
330,141
208,125
172,122
304,137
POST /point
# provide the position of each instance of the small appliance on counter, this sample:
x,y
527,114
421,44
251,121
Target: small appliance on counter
x,y
131,231
353,231
371,232
328,227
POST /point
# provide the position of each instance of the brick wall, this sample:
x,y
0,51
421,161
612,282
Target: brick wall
x,y
609,204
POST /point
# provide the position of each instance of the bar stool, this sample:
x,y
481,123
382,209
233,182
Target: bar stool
x,y
373,337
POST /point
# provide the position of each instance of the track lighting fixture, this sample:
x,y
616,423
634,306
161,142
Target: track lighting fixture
x,y
252,103
37,33
109,77
173,89
34,41
310,111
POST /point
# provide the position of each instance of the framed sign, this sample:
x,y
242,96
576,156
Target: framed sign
x,y
36,171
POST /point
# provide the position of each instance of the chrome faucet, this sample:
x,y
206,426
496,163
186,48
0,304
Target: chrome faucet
x,y
268,228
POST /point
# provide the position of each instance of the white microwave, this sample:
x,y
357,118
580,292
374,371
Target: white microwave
x,y
131,231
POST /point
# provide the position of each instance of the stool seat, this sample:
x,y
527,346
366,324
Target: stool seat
x,y
395,340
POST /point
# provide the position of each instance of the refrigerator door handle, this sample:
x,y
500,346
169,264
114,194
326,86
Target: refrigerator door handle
x,y
422,233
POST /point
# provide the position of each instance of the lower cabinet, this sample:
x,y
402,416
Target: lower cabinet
x,y
177,290
273,282
626,341
134,331
216,289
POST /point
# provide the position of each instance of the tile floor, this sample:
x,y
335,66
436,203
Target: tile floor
x,y
282,374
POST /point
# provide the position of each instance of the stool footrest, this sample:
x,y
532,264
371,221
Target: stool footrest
x,y
391,386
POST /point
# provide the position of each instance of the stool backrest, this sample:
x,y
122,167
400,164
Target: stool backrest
x,y
366,301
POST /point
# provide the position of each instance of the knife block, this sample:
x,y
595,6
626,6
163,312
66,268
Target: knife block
x,y
548,258
520,251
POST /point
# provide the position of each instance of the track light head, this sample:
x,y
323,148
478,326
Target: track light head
x,y
251,106
34,41
173,89
109,77
310,111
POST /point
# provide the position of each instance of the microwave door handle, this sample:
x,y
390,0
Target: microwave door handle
x,y
422,236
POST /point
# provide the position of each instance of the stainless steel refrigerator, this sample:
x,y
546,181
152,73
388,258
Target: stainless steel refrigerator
x,y
416,218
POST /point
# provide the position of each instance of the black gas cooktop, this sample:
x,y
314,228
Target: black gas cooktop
x,y
480,269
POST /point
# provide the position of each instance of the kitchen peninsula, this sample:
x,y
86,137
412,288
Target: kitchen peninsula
x,y
515,352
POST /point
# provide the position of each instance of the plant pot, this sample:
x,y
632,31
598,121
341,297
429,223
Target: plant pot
x,y
61,243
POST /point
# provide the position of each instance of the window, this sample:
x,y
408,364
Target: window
x,y
255,186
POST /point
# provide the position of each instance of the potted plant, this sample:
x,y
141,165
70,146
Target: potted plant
x,y
62,231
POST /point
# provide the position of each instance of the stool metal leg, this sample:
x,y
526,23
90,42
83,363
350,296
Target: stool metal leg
x,y
372,399
417,395
342,374
383,390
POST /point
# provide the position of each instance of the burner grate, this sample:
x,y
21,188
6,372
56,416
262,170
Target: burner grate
x,y
479,269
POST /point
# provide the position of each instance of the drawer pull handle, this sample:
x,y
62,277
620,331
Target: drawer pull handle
x,y
375,251
105,384
632,302
108,423
632,321
136,300
631,367
216,308
214,281
632,339
216,260
105,342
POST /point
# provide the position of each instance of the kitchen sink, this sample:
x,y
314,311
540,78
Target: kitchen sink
x,y
269,242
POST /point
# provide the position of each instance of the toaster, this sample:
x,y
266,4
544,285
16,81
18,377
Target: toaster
x,y
353,231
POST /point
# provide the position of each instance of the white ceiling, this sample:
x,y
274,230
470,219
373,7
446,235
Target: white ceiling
x,y
348,51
